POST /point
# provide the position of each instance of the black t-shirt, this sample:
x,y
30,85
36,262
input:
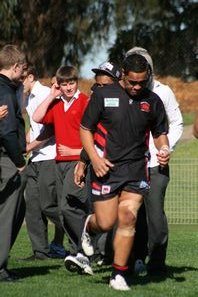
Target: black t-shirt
x,y
121,124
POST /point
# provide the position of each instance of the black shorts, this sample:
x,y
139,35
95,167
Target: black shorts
x,y
130,177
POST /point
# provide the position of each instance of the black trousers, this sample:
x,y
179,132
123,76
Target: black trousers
x,y
41,203
74,203
156,217
12,207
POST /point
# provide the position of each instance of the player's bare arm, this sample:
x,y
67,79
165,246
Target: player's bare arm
x,y
100,165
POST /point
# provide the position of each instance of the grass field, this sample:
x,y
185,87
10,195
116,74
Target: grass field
x,y
181,196
188,118
49,278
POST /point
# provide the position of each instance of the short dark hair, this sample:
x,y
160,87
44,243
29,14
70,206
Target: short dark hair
x,y
31,69
66,73
135,63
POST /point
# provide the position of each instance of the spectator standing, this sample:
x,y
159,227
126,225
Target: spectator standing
x,y
40,194
159,179
63,108
12,161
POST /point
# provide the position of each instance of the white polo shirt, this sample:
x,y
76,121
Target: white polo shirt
x,y
175,119
48,151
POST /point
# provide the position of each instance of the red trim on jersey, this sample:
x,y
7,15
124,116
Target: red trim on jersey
x,y
99,139
96,186
102,129
147,137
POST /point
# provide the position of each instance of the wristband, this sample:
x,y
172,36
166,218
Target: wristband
x,y
165,148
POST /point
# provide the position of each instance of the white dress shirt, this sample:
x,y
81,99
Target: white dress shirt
x,y
174,116
48,151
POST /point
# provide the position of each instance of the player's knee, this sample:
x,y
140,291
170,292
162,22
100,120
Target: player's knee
x,y
105,225
128,210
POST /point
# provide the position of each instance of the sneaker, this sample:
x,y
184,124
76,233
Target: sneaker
x,y
139,267
119,283
78,263
57,251
86,240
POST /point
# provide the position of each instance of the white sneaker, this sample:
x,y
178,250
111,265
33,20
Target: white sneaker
x,y
139,267
119,283
86,240
79,263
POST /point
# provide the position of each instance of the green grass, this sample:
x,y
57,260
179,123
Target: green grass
x,y
188,118
186,149
49,278
182,192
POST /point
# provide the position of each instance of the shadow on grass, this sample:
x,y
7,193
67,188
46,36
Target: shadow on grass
x,y
133,279
24,272
172,273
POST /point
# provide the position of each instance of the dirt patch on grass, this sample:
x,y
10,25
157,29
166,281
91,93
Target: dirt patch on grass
x,y
186,92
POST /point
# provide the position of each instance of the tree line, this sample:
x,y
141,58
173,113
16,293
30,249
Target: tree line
x,y
53,32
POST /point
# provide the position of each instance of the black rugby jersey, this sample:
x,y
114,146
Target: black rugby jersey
x,y
121,123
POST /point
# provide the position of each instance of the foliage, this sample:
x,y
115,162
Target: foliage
x,y
54,31
165,28
64,31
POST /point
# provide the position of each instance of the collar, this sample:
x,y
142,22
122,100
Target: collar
x,y
68,104
76,95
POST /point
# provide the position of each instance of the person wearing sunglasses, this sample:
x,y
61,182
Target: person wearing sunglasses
x,y
154,240
114,133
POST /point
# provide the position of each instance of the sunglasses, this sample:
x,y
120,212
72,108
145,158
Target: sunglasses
x,y
133,83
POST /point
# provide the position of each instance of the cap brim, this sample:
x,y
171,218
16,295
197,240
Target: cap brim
x,y
98,70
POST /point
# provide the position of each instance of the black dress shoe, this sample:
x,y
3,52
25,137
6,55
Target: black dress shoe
x,y
7,276
37,256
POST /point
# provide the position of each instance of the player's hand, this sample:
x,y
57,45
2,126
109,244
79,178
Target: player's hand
x,y
79,174
163,156
101,166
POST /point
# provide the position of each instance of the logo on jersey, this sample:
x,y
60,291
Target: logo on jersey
x,y
96,189
145,106
111,102
130,101
106,189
